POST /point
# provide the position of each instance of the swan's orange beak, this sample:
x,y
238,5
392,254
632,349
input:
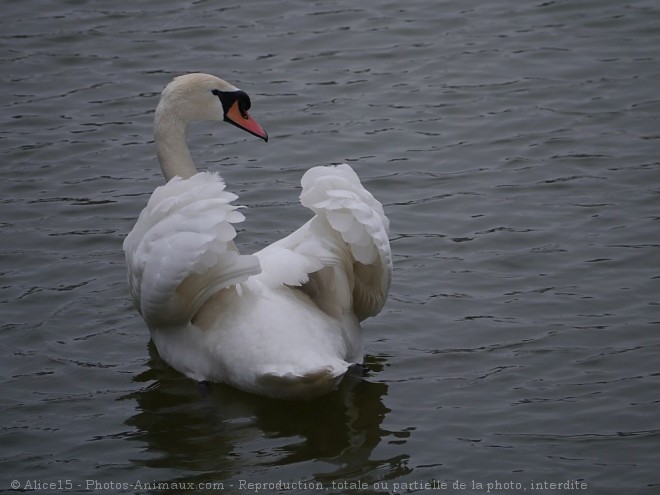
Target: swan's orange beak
x,y
244,121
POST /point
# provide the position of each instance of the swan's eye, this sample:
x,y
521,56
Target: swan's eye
x,y
228,98
244,104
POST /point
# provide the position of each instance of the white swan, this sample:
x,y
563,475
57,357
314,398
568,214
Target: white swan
x,y
283,322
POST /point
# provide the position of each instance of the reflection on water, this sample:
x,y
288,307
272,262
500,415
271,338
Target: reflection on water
x,y
220,432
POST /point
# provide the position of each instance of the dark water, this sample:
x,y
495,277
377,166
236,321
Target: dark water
x,y
515,146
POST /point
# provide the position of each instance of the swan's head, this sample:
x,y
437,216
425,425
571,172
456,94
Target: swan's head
x,y
205,97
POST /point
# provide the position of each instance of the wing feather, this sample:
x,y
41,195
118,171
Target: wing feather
x,y
181,250
341,258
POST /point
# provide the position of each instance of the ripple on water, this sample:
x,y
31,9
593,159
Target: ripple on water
x,y
515,149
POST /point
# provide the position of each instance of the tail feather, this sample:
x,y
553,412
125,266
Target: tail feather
x,y
304,385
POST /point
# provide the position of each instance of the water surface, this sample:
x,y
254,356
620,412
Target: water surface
x,y
515,147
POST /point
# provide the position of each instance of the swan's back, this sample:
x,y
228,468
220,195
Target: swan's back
x,y
283,322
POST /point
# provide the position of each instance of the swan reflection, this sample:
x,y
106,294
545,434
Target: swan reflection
x,y
224,434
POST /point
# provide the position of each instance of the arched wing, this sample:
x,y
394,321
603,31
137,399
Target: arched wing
x,y
341,257
181,250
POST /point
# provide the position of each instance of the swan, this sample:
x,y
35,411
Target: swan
x,y
283,322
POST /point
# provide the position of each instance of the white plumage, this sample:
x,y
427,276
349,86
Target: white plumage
x,y
283,322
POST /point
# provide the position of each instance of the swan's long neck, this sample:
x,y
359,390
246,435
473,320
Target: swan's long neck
x,y
171,145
